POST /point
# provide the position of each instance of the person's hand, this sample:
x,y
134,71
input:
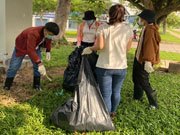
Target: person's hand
x,y
87,50
78,45
148,67
42,69
48,56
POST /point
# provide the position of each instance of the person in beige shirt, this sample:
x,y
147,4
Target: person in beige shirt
x,y
113,40
147,54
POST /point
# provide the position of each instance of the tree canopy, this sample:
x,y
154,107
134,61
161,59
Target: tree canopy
x,y
80,6
41,7
162,8
44,6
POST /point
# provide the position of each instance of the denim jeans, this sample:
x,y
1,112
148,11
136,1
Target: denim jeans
x,y
110,82
16,62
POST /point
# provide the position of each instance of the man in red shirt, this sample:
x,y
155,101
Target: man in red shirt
x,y
30,42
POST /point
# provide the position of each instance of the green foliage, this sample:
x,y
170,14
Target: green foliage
x,y
132,117
169,38
175,31
44,6
80,6
59,56
173,21
71,34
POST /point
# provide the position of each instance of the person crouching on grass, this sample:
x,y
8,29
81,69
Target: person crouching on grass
x,y
147,54
30,42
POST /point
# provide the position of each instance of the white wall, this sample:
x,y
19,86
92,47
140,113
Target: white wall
x,y
15,15
2,30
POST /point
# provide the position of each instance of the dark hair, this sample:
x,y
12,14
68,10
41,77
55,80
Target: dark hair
x,y
52,27
116,14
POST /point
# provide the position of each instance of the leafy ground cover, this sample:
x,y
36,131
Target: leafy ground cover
x,y
31,115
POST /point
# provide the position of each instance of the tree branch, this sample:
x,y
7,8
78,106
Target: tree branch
x,y
148,4
168,9
159,3
137,4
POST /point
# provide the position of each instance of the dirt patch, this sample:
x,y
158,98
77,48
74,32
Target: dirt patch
x,y
21,89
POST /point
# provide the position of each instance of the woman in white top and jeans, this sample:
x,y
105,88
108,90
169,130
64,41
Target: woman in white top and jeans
x,y
113,40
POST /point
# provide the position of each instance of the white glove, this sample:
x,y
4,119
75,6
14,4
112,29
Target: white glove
x,y
148,67
48,56
42,70
78,45
87,50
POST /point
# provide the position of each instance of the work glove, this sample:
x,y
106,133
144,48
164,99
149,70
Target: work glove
x,y
48,56
78,45
87,50
148,67
42,70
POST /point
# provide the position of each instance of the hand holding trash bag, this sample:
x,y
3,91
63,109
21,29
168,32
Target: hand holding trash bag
x,y
87,50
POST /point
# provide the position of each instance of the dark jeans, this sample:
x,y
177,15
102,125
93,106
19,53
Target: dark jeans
x,y
16,62
110,82
141,81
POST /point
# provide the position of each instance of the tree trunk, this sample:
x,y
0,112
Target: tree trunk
x,y
62,13
41,18
164,26
161,19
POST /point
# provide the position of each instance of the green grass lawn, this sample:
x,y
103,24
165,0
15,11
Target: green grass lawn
x,y
168,38
163,55
178,32
132,117
165,38
71,34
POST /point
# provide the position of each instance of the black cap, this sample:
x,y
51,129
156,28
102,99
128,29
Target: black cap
x,y
147,15
89,15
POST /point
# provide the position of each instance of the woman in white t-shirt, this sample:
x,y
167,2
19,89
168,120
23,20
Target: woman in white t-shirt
x,y
113,40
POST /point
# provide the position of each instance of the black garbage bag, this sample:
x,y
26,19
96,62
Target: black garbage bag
x,y
71,72
86,111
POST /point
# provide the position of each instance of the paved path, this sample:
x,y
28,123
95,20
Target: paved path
x,y
167,47
178,30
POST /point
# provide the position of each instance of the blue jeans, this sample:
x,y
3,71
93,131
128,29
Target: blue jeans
x,y
16,62
110,82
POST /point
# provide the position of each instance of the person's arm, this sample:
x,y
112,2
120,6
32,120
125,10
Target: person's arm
x,y
48,45
99,45
129,44
79,35
149,45
31,49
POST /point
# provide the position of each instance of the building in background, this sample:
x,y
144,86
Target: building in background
x,y
72,24
49,17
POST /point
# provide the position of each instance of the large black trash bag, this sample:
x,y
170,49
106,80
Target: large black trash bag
x,y
71,72
86,111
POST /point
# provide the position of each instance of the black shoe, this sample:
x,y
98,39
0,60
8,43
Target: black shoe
x,y
8,83
36,83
